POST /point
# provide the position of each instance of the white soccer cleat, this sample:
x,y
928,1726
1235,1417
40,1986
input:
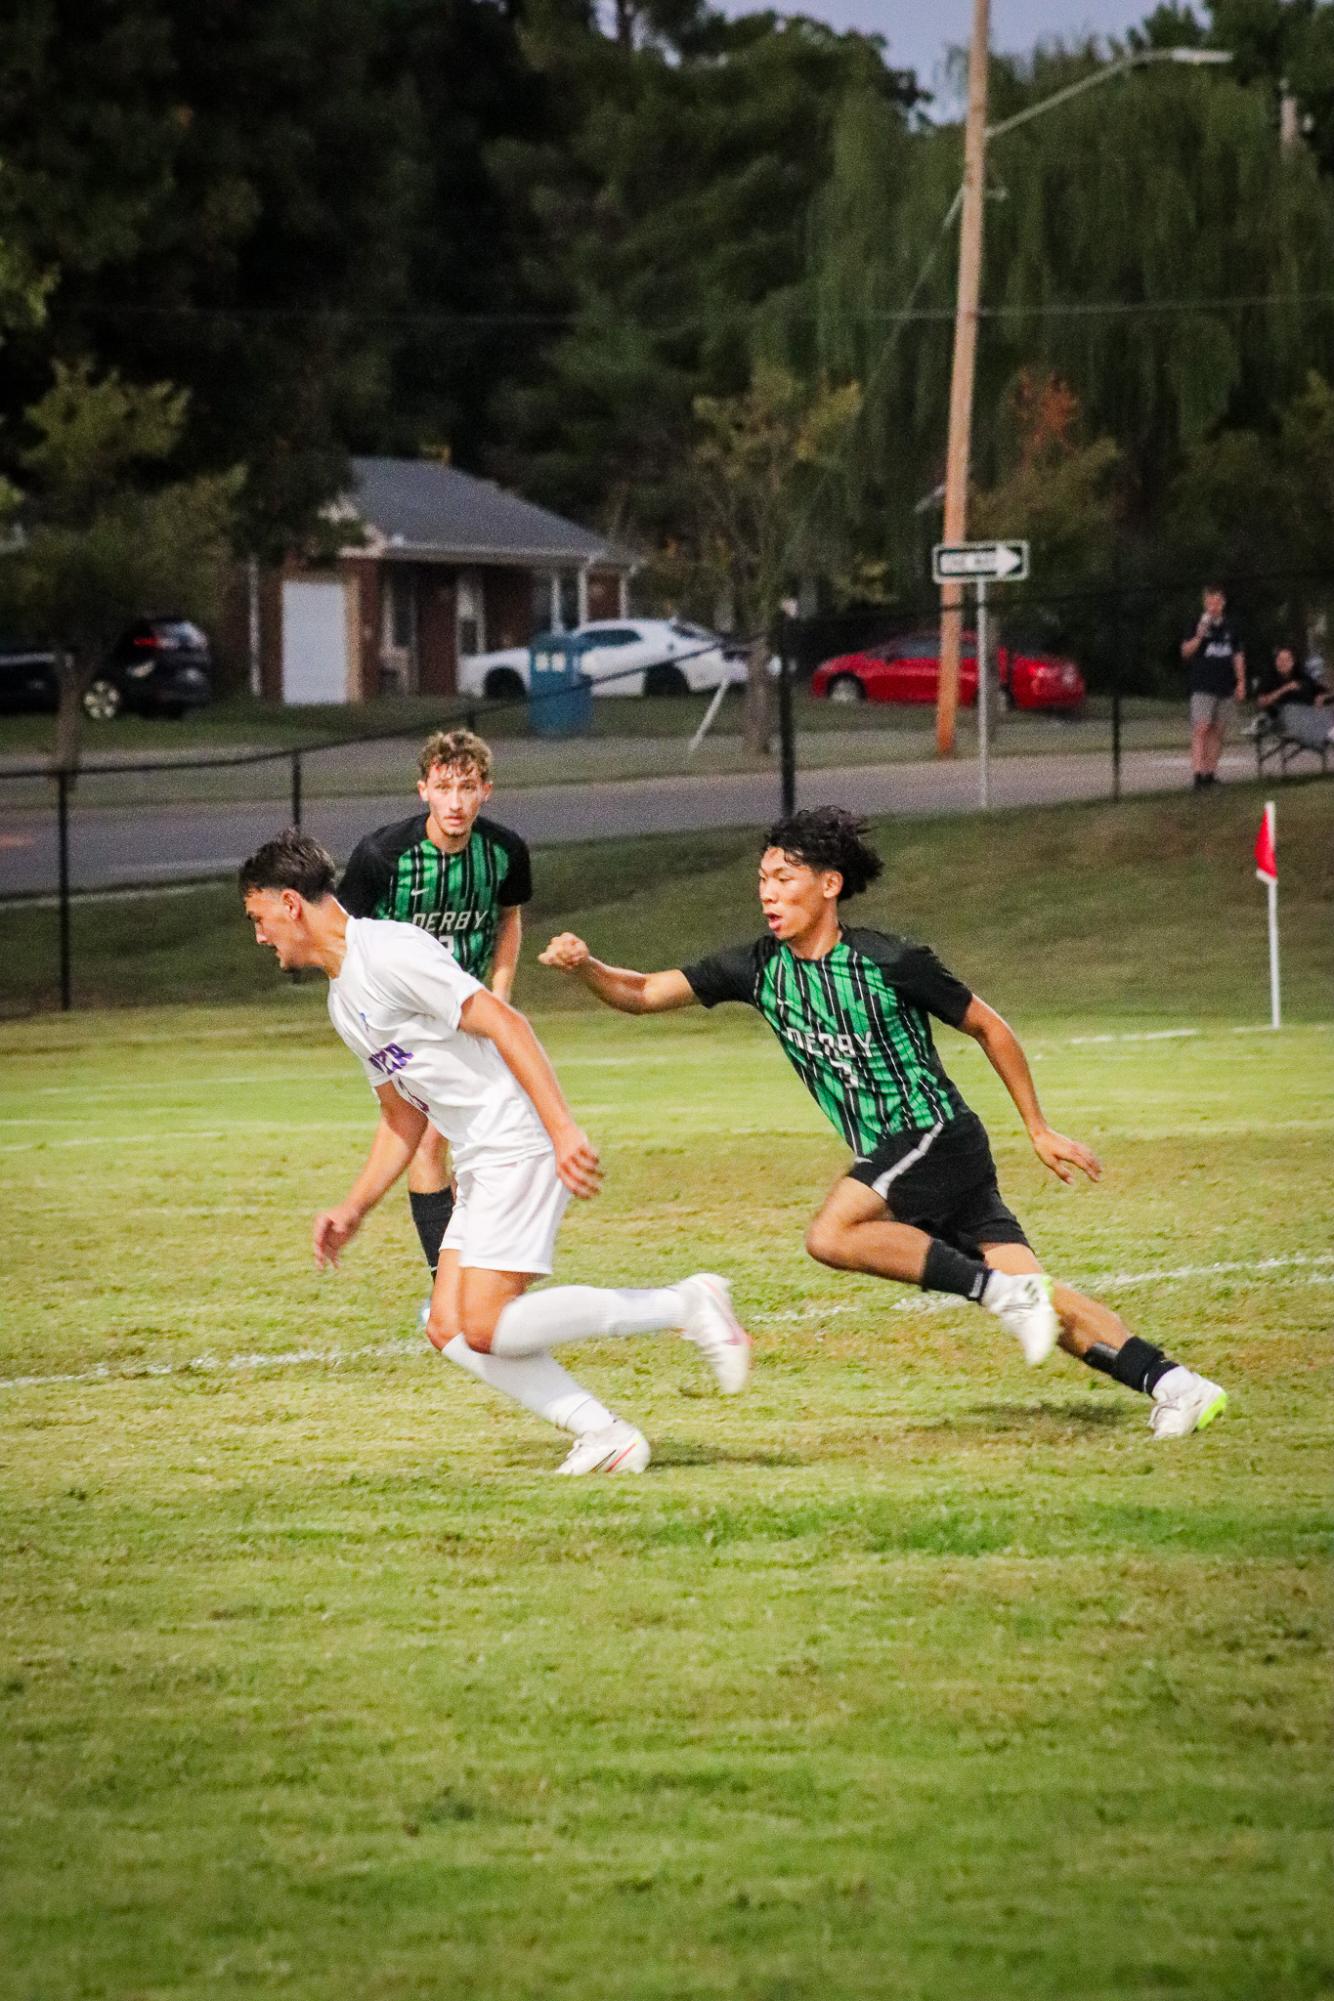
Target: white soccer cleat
x,y
1021,1301
617,1448
1184,1402
715,1330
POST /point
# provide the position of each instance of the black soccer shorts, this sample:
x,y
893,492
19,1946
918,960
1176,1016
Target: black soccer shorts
x,y
943,1181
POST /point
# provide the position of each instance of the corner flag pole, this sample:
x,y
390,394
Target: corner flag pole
x,y
1266,868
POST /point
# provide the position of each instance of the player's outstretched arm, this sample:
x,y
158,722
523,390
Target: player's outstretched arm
x,y
396,1139
1005,1054
632,993
577,1160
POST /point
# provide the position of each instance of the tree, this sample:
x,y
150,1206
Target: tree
x,y
102,532
760,467
671,204
1150,244
221,187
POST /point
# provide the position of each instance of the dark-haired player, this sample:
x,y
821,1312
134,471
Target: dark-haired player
x,y
919,1200
434,1044
462,878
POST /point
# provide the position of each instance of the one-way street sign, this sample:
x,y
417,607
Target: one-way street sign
x,y
956,562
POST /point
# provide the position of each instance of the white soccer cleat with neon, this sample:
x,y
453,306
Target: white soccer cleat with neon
x,y
617,1448
1021,1301
1184,1402
715,1330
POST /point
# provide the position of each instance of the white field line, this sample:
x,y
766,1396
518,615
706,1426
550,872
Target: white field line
x,y
336,1358
647,1060
1199,1129
939,1302
188,1132
343,1074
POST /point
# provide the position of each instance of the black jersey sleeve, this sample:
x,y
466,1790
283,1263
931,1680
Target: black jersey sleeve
x,y
366,879
517,887
917,973
726,976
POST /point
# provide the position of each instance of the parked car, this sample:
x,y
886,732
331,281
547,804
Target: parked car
x,y
29,678
624,656
907,669
158,667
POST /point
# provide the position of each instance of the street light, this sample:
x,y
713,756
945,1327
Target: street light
x,y
970,197
1140,59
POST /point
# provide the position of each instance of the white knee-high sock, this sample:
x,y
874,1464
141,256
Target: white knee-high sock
x,y
538,1383
584,1313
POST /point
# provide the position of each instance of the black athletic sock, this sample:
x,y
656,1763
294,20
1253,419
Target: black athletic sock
x,y
431,1213
1137,1364
948,1270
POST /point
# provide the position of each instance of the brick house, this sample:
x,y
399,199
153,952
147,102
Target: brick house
x,y
444,564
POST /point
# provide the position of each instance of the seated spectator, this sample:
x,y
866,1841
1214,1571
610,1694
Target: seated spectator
x,y
1296,701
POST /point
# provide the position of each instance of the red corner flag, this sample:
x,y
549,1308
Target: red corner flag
x,y
1266,848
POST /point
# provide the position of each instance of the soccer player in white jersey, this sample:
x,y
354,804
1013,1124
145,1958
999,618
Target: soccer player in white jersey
x,y
434,1044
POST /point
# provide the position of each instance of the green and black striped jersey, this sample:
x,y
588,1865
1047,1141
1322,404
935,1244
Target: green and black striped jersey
x,y
854,1025
398,872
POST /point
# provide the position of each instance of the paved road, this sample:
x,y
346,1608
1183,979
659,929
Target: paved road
x,y
113,846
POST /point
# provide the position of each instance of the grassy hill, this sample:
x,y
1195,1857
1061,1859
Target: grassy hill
x,y
1144,911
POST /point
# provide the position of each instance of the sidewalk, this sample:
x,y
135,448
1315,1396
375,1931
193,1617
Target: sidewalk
x,y
152,845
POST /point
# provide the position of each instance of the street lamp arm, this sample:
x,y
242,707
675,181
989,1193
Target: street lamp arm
x,y
1139,60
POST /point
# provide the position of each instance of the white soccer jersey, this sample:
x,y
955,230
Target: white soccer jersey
x,y
396,1004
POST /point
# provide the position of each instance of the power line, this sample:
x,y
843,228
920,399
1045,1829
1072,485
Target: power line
x,y
891,317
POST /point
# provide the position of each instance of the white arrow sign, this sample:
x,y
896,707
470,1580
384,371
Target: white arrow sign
x,y
952,562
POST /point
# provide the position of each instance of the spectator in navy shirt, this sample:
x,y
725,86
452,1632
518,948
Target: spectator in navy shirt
x,y
1217,679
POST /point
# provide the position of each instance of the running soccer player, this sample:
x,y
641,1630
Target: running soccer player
x,y
919,1201
462,878
434,1044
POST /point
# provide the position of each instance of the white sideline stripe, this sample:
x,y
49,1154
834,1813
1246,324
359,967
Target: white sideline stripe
x,y
213,1365
335,1358
342,1074
1134,1035
939,1302
186,1132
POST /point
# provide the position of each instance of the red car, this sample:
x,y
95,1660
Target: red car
x,y
907,669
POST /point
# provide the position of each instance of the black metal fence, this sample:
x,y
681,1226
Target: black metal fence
x,y
880,758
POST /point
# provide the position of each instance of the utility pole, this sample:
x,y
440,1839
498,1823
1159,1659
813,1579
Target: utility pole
x,y
961,381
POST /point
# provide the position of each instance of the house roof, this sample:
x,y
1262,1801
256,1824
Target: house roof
x,y
419,507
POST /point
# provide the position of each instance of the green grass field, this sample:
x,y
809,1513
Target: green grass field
x,y
912,1673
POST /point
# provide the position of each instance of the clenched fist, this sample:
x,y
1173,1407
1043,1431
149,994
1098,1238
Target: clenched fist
x,y
565,953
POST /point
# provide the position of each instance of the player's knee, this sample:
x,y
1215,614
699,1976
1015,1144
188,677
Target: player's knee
x,y
477,1327
440,1329
825,1242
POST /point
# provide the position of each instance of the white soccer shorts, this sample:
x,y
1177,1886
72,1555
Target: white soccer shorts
x,y
507,1215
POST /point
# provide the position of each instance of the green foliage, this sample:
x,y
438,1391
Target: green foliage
x,y
1129,233
674,210
760,466
536,236
99,544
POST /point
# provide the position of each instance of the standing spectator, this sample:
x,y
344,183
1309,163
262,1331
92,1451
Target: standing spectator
x,y
1302,708
1217,679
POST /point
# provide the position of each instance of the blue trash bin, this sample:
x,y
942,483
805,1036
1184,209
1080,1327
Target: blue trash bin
x,y
560,694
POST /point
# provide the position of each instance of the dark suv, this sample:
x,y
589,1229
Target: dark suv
x,y
158,667
28,677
